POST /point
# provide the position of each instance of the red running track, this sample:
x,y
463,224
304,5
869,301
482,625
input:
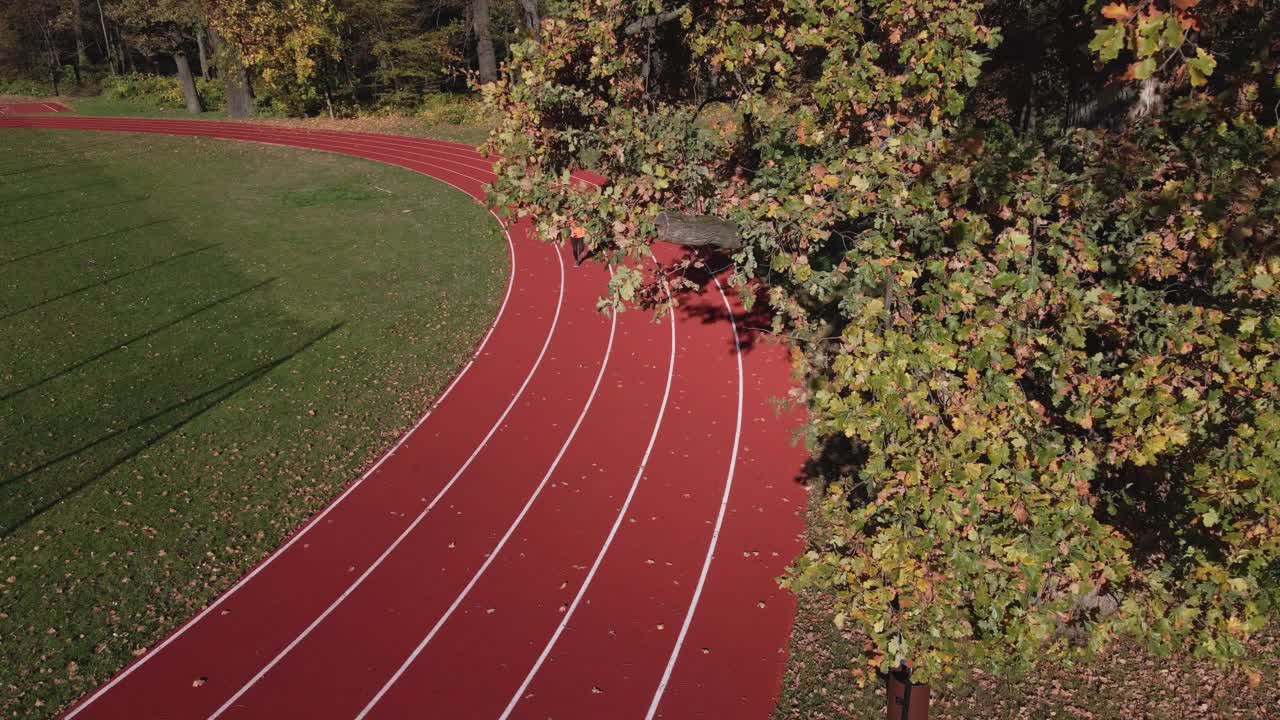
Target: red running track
x,y
587,524
32,108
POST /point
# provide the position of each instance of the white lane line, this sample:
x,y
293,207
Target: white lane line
x,y
613,531
417,520
51,108
715,534
493,554
337,501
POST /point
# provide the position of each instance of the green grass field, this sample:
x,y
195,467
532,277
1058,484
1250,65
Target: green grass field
x,y
201,342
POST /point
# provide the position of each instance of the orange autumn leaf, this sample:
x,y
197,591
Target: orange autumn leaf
x,y
578,231
1116,11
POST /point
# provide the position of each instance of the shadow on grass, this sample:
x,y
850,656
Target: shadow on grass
x,y
135,338
67,160
108,280
155,428
91,238
30,196
71,211
78,167
31,169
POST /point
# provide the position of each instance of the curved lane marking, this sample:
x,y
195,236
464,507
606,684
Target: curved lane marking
x,y
351,488
338,146
613,531
715,534
497,549
417,520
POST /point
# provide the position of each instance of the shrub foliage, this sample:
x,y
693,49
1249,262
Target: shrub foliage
x,y
1041,365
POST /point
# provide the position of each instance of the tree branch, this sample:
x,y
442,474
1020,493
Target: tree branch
x,y
649,22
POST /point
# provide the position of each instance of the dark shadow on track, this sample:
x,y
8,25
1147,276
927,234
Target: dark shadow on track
x,y
704,304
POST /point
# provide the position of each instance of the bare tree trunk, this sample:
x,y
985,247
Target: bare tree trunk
x,y
484,41
531,19
1150,100
125,55
204,54
234,78
106,39
239,99
77,22
54,66
1028,119
328,88
194,106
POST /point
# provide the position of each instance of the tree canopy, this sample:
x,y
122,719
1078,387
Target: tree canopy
x,y
1024,254
298,58
1026,257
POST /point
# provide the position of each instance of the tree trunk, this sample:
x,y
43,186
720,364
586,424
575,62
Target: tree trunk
x,y
77,22
54,66
239,100
484,41
204,54
531,19
106,39
234,78
188,83
328,88
125,55
907,700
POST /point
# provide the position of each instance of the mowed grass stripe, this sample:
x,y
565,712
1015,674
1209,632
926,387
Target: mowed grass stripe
x,y
204,341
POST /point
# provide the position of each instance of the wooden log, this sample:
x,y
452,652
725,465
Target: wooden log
x,y
698,231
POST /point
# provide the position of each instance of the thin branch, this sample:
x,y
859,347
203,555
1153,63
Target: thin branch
x,y
649,22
